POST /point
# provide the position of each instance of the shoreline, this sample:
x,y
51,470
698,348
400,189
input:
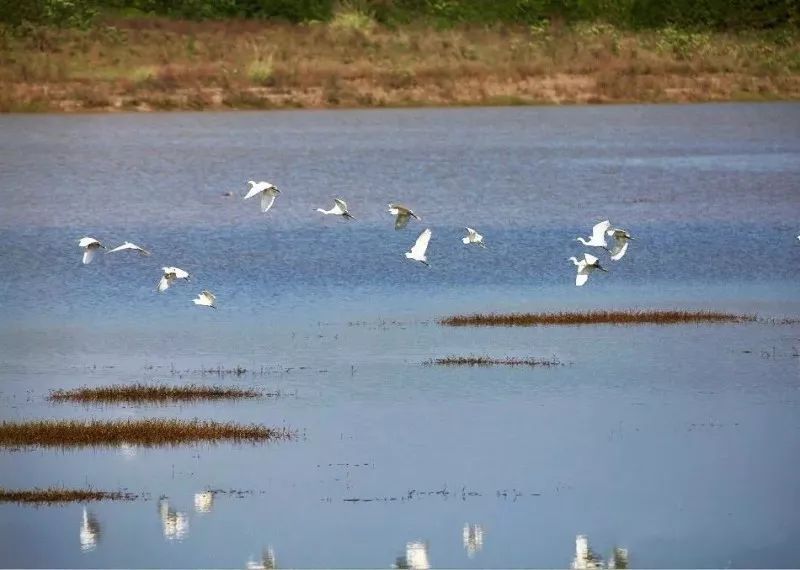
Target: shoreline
x,y
167,65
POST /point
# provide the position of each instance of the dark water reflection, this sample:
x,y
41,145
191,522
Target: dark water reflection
x,y
678,443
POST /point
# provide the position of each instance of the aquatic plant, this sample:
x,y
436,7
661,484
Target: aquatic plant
x,y
149,393
624,317
488,361
53,495
148,432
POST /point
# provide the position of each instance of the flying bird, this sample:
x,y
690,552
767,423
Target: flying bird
x,y
90,247
403,215
417,252
129,246
170,275
598,238
473,237
585,266
205,299
339,209
621,239
267,191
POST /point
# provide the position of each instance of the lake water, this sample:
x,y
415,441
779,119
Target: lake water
x,y
680,444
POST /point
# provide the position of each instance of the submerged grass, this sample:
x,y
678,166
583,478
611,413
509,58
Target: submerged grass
x,y
148,393
149,432
488,361
627,317
54,495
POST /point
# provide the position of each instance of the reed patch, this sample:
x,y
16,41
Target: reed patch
x,y
151,432
626,317
57,495
150,393
489,361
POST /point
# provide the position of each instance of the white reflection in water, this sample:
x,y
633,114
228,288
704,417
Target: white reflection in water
x,y
267,561
127,451
203,502
472,536
175,524
416,557
90,531
586,559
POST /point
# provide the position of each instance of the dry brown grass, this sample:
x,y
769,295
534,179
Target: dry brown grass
x,y
149,432
629,317
148,393
55,495
148,64
488,361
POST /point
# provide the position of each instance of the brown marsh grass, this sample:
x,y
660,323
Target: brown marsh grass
x,y
149,432
159,64
55,495
148,393
488,361
627,317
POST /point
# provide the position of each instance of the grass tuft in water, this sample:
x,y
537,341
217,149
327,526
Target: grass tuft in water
x,y
626,317
54,495
488,361
148,393
149,432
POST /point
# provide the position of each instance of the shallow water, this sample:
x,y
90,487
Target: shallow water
x,y
678,443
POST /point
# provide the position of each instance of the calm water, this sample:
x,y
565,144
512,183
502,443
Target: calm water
x,y
680,444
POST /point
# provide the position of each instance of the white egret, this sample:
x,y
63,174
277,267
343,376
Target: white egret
x,y
417,252
403,215
170,275
339,209
473,237
205,299
267,190
90,247
598,238
621,239
129,246
585,266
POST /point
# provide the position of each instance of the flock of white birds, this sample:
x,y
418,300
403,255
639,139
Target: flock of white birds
x,y
268,192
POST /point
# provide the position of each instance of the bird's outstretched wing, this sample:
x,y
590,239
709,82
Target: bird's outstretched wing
x,y
421,245
599,230
254,191
401,221
163,284
86,241
180,273
581,279
620,247
129,245
267,199
208,294
88,256
589,259
340,204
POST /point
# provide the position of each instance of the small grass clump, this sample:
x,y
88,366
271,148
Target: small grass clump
x,y
55,495
146,393
627,317
149,432
488,361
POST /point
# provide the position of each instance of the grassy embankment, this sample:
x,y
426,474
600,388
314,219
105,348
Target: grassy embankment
x,y
352,61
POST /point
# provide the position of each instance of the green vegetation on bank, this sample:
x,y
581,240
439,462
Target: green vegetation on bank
x,y
695,14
